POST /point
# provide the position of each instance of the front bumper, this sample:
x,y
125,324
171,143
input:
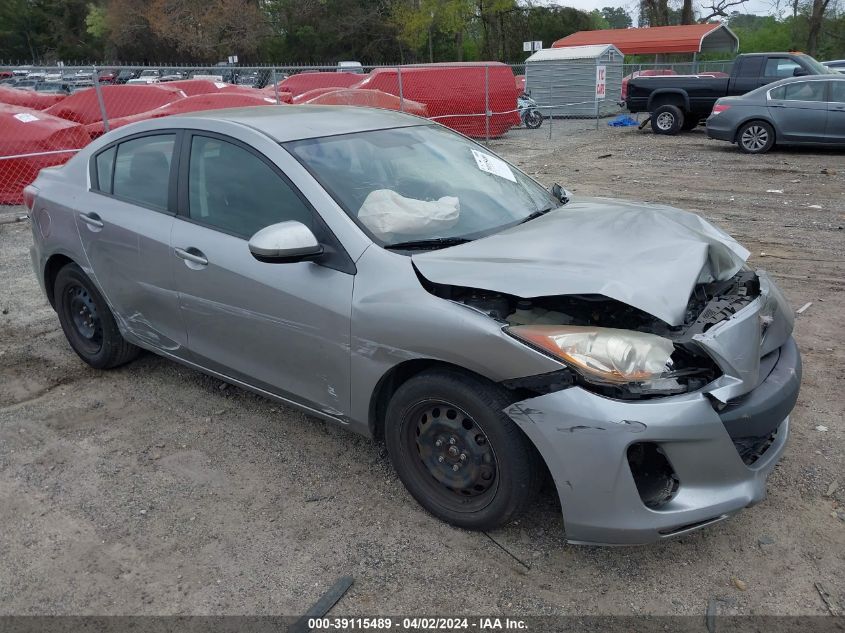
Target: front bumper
x,y
584,439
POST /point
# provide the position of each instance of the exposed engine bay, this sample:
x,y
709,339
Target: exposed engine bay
x,y
691,369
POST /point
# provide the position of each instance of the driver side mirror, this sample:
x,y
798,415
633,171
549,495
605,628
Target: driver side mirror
x,y
799,72
563,195
284,243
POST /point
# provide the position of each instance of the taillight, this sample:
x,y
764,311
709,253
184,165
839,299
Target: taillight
x,y
29,194
718,108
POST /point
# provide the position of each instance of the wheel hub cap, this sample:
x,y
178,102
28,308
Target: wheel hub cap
x,y
665,121
755,137
454,450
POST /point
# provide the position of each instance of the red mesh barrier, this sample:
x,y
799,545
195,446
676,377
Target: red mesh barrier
x,y
196,103
193,87
454,95
303,82
367,98
27,132
120,101
28,98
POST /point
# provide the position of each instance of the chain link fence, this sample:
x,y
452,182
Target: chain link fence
x,y
49,113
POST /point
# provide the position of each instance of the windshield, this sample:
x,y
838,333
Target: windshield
x,y
421,183
817,66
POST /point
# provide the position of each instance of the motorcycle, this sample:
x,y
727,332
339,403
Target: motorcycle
x,y
529,112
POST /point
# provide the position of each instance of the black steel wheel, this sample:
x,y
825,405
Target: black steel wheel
x,y
457,453
80,309
87,322
533,119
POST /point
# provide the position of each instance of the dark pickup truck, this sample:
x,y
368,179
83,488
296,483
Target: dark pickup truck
x,y
680,102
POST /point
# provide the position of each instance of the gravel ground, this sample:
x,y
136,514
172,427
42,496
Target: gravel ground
x,y
153,489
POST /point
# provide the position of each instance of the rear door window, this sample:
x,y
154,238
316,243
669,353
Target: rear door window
x,y
750,67
142,170
837,91
105,169
805,91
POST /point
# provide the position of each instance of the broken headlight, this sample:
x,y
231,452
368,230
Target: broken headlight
x,y
622,363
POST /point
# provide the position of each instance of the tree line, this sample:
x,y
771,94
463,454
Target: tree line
x,y
370,31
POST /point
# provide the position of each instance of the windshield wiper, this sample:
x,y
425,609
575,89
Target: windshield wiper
x,y
427,244
536,214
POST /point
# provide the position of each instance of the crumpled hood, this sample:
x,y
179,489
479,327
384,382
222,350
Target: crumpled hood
x,y
648,256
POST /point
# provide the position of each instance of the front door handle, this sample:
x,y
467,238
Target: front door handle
x,y
192,255
92,220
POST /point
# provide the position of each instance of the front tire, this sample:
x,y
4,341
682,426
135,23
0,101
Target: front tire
x,y
755,137
667,119
457,453
87,322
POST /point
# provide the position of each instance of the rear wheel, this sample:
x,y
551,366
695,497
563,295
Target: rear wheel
x,y
457,453
755,137
87,322
533,119
667,119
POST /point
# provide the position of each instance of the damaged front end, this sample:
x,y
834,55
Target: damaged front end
x,y
641,356
655,429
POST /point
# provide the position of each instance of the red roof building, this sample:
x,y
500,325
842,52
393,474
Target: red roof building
x,y
655,40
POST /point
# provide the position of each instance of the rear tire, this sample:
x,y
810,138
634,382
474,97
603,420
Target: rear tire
x,y
667,119
533,119
457,453
755,137
87,322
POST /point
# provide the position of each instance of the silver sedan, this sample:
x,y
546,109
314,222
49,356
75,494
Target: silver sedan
x,y
382,272
793,111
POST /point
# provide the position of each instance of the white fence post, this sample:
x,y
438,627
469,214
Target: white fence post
x,y
487,104
100,100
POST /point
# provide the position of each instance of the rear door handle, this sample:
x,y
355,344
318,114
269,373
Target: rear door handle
x,y
191,255
92,220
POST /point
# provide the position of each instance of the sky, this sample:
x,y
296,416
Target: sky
x,y
760,7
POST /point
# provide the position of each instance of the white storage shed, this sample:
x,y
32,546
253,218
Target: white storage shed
x,y
563,80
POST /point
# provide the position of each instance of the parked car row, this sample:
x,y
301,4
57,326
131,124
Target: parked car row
x,y
25,77
768,99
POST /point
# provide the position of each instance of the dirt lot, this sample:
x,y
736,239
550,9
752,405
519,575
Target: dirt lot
x,y
153,489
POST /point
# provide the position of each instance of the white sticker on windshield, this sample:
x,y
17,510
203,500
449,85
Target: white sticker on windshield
x,y
25,117
220,85
493,165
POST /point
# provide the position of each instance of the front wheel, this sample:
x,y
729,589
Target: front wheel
x,y
87,322
667,119
533,119
457,453
755,137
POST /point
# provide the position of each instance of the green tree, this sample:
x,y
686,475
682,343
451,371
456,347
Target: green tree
x,y
617,17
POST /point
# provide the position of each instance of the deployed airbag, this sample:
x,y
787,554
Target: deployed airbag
x,y
386,213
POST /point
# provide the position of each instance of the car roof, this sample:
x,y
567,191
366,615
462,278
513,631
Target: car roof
x,y
296,122
792,80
